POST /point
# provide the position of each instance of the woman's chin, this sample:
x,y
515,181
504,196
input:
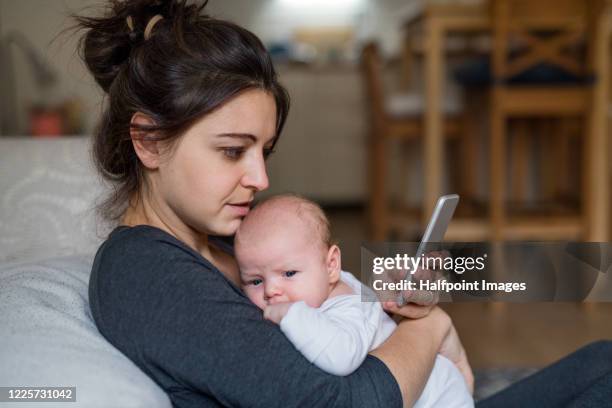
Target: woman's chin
x,y
228,227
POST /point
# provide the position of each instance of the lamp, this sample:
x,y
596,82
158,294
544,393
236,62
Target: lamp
x,y
43,74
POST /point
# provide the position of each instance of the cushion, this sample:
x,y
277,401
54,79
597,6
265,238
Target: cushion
x,y
479,73
48,235
49,338
48,190
413,104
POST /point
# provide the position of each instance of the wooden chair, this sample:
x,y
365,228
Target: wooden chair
x,y
387,125
533,41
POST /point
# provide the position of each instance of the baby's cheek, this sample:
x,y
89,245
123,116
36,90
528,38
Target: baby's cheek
x,y
255,296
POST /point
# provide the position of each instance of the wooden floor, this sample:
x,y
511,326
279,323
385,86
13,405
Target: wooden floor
x,y
528,334
499,335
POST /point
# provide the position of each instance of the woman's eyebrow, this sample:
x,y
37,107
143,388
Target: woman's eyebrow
x,y
248,136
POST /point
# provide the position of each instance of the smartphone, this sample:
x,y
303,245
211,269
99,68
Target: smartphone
x,y
436,228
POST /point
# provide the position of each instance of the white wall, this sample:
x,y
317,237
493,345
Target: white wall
x,y
42,20
341,166
274,20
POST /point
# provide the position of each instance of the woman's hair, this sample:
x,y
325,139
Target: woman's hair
x,y
188,65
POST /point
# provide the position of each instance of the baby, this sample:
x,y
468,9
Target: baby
x,y
292,271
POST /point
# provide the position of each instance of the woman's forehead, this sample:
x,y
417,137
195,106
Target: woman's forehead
x,y
252,114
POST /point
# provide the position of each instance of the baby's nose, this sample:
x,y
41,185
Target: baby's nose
x,y
271,290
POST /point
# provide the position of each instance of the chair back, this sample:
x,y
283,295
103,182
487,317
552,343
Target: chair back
x,y
528,33
371,66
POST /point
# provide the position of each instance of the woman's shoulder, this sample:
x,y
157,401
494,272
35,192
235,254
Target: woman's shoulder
x,y
146,252
142,239
145,246
137,266
133,256
141,236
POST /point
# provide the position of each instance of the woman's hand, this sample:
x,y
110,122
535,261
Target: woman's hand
x,y
410,310
418,303
452,349
410,351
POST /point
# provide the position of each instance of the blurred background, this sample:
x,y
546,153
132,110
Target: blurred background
x,y
395,102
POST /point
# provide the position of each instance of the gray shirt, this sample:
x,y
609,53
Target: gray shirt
x,y
200,338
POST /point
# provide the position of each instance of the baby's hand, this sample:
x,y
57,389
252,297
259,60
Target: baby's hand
x,y
277,311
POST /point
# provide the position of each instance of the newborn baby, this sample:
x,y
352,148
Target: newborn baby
x,y
292,271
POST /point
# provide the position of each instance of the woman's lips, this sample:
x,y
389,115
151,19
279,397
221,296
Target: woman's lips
x,y
240,209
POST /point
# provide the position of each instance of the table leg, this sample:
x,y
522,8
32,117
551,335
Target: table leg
x,y
433,142
597,199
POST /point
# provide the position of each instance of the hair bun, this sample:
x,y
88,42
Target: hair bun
x,y
109,40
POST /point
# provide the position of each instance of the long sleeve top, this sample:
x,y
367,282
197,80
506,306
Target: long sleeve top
x,y
338,335
195,333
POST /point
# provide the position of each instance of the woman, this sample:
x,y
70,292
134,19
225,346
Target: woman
x,y
194,108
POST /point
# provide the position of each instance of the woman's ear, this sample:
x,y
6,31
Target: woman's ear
x,y
148,151
333,262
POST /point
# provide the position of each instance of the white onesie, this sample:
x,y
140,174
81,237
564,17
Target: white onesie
x,y
338,335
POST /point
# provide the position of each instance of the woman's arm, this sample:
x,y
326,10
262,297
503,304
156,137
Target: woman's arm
x,y
410,351
203,341
420,304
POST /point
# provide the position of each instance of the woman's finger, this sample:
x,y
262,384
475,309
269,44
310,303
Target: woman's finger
x,y
427,297
421,297
411,310
433,266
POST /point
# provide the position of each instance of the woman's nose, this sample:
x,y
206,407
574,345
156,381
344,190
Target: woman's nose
x,y
256,176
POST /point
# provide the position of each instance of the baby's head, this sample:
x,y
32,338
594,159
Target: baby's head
x,y
284,252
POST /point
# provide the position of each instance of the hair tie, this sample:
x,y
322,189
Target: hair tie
x,y
150,25
130,23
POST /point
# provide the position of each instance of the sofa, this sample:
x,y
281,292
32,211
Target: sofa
x,y
48,237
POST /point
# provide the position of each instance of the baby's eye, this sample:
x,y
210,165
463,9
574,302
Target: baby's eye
x,y
233,153
290,273
255,282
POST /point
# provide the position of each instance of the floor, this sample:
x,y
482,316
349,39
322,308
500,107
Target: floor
x,y
498,335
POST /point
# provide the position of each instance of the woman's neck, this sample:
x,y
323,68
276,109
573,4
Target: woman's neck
x,y
142,211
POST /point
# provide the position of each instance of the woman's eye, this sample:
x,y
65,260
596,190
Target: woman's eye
x,y
233,153
267,153
290,273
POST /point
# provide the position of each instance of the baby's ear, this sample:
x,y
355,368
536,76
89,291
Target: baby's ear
x,y
333,262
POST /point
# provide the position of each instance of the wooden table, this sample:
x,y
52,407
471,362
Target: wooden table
x,y
438,21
